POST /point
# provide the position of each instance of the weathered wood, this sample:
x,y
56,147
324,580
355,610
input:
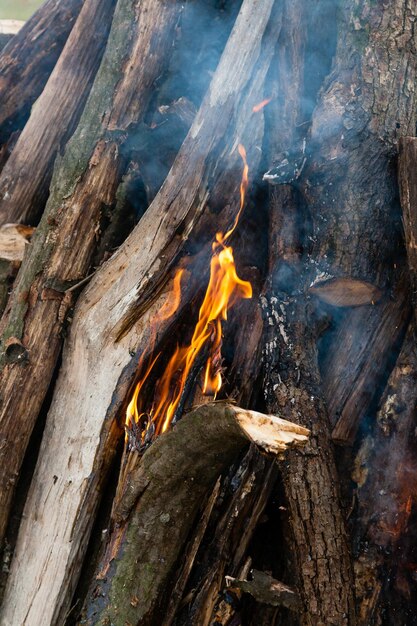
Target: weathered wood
x,y
25,179
385,473
375,349
407,180
85,181
349,179
206,171
28,59
173,479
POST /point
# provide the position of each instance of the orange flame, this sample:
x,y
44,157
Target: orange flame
x,y
224,289
258,107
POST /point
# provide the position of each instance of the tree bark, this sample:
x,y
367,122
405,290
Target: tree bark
x,y
115,301
24,182
84,185
385,473
350,180
28,59
186,463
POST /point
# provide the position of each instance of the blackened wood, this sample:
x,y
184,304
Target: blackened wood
x,y
28,59
25,179
350,178
408,191
374,352
385,473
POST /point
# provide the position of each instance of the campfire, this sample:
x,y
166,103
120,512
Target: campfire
x,y
207,298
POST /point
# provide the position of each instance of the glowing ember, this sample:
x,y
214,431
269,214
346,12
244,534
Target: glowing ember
x,y
223,290
261,105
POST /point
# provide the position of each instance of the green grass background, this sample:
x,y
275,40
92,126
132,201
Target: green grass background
x,y
18,9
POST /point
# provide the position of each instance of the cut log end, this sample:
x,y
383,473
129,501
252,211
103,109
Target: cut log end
x,y
269,432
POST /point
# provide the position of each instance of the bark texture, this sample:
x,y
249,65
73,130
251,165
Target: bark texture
x,y
24,182
164,496
367,104
28,59
84,187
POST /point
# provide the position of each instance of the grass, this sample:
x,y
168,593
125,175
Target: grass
x,y
18,9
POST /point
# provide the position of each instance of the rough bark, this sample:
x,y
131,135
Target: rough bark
x,y
83,189
385,473
28,59
208,160
408,191
375,350
366,105
292,386
174,477
24,182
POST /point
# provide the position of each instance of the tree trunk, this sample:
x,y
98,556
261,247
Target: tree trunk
x,y
350,182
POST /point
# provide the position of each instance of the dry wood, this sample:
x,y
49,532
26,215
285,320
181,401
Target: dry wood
x,y
13,241
374,353
85,179
28,59
385,473
207,161
25,179
173,479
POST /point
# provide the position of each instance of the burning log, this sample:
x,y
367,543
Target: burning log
x,y
120,301
85,179
24,182
155,523
28,59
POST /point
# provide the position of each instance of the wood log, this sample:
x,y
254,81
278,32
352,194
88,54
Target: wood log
x,y
186,463
292,385
28,59
85,180
24,181
350,185
207,161
374,351
385,473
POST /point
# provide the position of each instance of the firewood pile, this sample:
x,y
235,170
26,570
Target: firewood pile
x,y
208,278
